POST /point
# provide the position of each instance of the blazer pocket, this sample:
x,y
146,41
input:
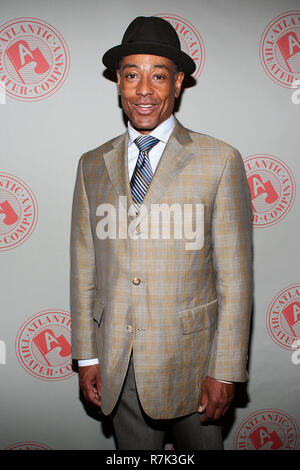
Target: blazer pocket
x,y
98,309
199,318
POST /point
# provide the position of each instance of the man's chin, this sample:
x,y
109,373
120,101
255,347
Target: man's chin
x,y
143,126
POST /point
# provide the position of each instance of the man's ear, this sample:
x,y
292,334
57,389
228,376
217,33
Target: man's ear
x,y
118,81
178,83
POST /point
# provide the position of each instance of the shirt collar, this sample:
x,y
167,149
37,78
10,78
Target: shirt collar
x,y
161,132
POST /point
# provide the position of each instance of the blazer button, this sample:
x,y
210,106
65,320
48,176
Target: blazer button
x,y
136,281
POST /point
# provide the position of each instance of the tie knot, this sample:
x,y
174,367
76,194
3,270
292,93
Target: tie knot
x,y
145,142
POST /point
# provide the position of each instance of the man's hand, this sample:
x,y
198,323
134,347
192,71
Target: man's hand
x,y
90,383
215,399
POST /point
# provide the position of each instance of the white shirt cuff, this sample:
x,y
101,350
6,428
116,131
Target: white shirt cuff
x,y
87,362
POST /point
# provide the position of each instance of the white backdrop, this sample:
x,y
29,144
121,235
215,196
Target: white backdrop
x,y
243,96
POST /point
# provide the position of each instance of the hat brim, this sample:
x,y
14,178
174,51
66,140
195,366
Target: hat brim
x,y
113,56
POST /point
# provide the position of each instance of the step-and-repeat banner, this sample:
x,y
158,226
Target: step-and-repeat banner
x,y
57,102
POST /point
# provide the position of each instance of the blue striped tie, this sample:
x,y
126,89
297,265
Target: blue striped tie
x,y
143,173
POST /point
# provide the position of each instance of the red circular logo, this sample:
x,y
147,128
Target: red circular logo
x,y
272,187
280,48
190,39
28,445
43,345
34,59
267,430
283,317
18,211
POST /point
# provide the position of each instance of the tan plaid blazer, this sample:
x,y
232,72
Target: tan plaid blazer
x,y
185,312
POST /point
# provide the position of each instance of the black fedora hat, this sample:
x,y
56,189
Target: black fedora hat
x,y
150,35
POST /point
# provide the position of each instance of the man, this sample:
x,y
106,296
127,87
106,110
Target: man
x,y
160,328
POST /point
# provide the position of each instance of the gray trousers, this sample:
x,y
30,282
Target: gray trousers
x,y
134,430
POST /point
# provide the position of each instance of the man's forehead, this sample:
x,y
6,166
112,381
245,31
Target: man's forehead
x,y
144,60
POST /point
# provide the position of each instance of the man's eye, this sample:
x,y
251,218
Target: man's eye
x,y
130,75
160,76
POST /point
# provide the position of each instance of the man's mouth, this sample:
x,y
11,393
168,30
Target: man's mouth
x,y
144,108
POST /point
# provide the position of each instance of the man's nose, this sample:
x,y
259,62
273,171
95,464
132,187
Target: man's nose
x,y
144,86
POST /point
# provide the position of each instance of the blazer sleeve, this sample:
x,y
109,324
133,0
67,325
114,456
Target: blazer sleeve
x,y
232,253
82,273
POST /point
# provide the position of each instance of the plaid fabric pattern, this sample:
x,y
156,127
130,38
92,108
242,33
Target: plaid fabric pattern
x,y
185,313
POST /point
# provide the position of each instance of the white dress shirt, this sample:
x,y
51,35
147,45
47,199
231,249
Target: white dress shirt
x,y
161,132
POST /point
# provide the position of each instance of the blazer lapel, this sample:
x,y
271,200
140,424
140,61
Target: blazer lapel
x,y
174,158
116,161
